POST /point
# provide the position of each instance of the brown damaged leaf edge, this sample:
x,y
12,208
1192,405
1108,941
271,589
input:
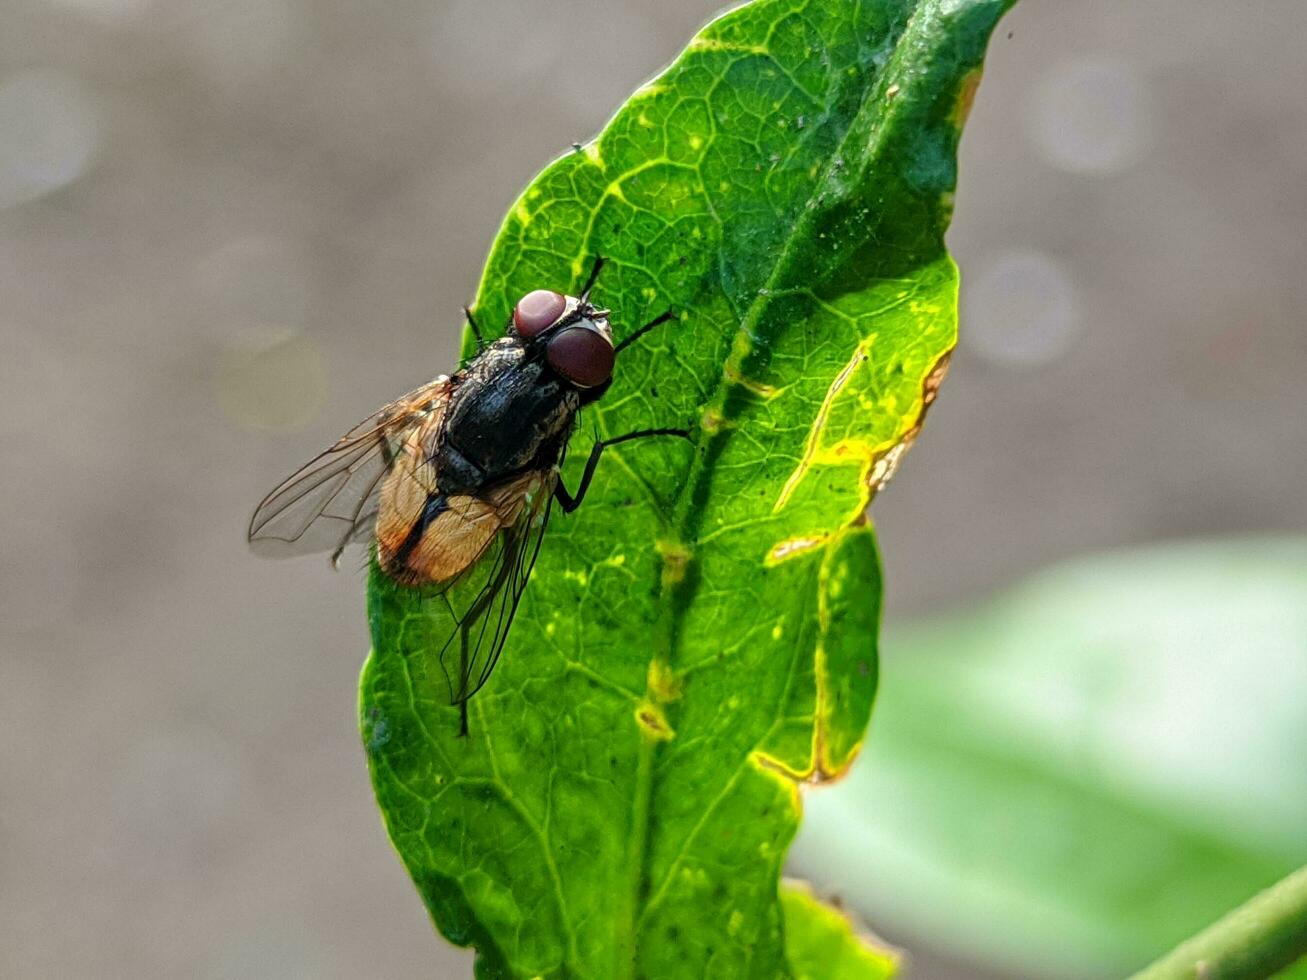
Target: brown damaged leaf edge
x,y
887,463
822,768
884,465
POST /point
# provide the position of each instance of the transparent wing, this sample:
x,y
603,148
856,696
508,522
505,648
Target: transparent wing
x,y
331,501
483,601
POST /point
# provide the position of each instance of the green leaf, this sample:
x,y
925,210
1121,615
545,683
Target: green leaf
x,y
701,635
1075,777
821,942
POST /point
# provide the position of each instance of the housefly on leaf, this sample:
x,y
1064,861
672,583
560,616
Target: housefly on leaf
x,y
455,481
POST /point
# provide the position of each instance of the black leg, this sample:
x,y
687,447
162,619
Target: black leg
x,y
471,322
570,503
462,675
594,276
669,315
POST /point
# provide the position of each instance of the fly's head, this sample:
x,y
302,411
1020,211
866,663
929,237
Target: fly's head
x,y
570,335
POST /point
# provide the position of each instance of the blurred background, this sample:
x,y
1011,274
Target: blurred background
x,y
229,230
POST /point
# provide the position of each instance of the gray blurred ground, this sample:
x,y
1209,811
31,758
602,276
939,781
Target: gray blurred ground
x,y
229,230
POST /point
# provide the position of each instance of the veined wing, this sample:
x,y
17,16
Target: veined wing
x,y
331,501
482,602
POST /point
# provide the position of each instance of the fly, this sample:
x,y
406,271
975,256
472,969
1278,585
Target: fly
x,y
454,482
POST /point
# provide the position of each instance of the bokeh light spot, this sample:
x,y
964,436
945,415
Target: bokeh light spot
x,y
1020,310
51,132
1090,116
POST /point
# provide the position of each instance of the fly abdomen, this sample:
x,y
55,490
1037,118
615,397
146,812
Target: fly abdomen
x,y
432,538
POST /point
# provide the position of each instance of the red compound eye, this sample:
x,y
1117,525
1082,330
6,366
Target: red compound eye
x,y
581,355
537,311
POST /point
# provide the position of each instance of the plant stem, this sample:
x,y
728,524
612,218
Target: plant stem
x,y
1260,937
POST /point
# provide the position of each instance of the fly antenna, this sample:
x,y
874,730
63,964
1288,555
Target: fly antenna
x,y
594,276
626,342
471,322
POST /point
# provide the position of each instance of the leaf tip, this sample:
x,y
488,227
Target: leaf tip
x,y
886,463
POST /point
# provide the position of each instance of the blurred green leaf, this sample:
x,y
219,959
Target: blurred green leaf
x,y
701,635
1079,775
821,943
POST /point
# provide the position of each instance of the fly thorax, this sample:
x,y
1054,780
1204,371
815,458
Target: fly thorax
x,y
503,422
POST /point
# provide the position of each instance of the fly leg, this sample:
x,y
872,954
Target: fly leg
x,y
462,672
569,502
626,342
476,331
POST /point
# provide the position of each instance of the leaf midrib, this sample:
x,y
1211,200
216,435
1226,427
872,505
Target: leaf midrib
x,y
676,599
